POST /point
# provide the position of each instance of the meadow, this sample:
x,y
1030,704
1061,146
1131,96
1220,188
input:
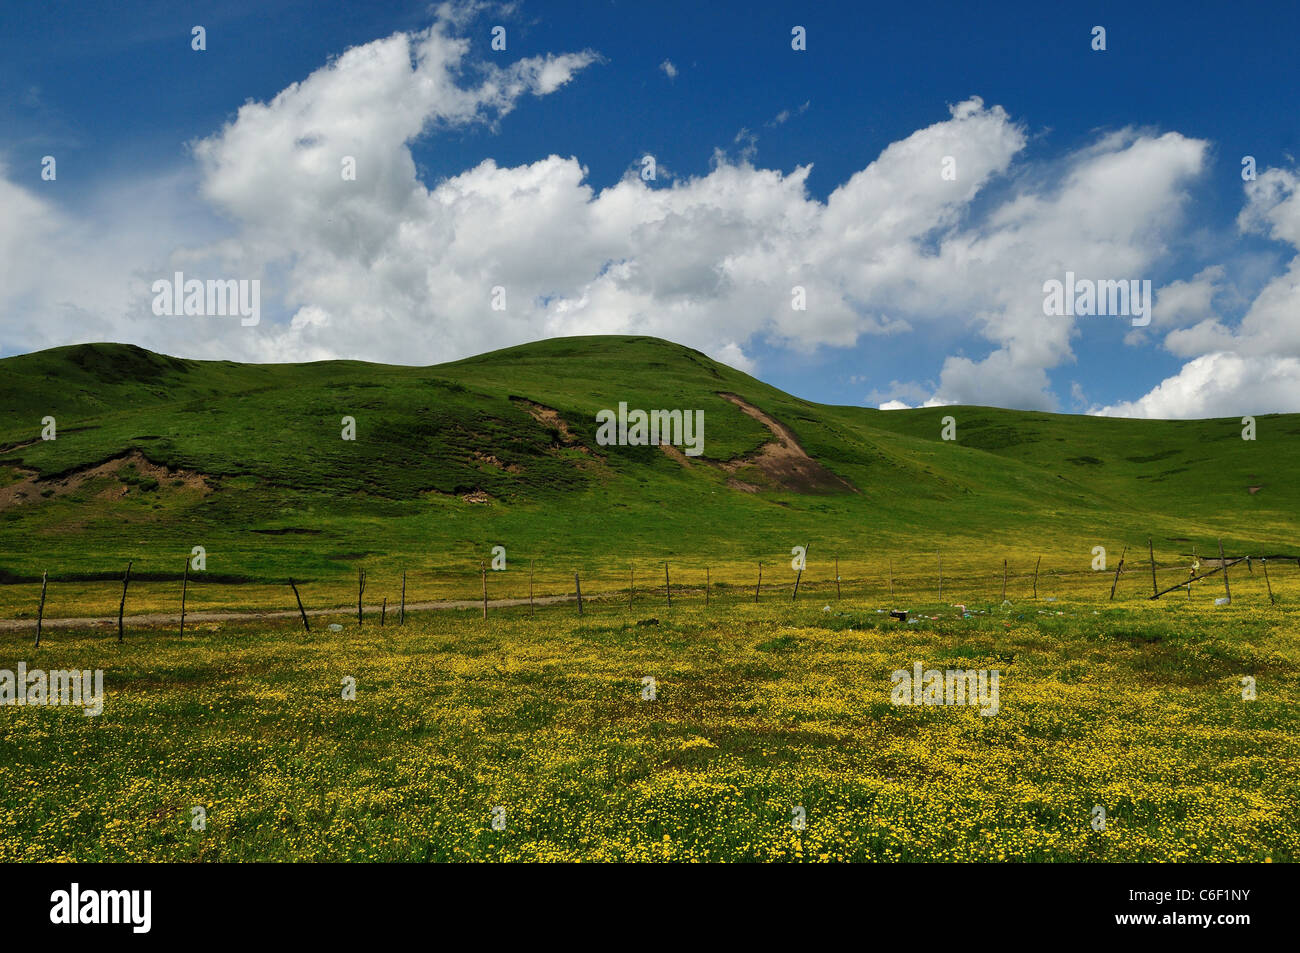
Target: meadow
x,y
758,710
772,733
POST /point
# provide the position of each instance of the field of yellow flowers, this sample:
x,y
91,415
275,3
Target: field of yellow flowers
x,y
724,732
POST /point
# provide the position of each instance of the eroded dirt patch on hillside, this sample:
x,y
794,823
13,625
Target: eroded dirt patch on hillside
x,y
781,461
492,460
33,488
550,418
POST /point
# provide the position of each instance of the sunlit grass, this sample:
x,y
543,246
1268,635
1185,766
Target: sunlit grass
x,y
759,709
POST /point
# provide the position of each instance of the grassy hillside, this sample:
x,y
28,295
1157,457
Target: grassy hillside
x,y
155,455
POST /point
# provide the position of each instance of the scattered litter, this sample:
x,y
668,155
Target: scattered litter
x,y
335,627
826,608
1050,599
899,614
1223,601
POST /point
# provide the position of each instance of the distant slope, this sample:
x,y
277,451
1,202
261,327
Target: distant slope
x,y
155,454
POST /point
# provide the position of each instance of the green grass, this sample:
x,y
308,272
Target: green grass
x,y
759,709
290,498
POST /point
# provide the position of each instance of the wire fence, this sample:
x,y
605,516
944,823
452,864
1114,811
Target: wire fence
x,y
892,580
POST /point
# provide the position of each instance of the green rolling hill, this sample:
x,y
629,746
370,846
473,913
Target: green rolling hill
x,y
156,454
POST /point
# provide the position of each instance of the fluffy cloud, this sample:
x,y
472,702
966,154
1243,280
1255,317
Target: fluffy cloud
x,y
1255,367
712,261
1211,384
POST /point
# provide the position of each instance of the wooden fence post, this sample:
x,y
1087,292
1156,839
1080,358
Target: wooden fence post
x,y
482,568
938,555
361,588
1036,565
1004,579
121,607
401,618
891,577
40,613
1263,561
577,584
1204,575
837,577
1224,563
799,575
383,612
531,609
668,586
185,584
1151,551
759,584
631,584
301,611
707,584
1122,554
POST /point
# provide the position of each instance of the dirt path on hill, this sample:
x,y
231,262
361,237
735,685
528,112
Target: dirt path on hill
x,y
783,460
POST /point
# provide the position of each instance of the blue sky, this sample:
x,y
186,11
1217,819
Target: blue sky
x,y
1181,93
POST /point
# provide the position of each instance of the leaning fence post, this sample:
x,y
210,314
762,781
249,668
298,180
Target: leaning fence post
x,y
121,606
1122,554
1036,565
799,575
759,584
40,613
1263,561
301,611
